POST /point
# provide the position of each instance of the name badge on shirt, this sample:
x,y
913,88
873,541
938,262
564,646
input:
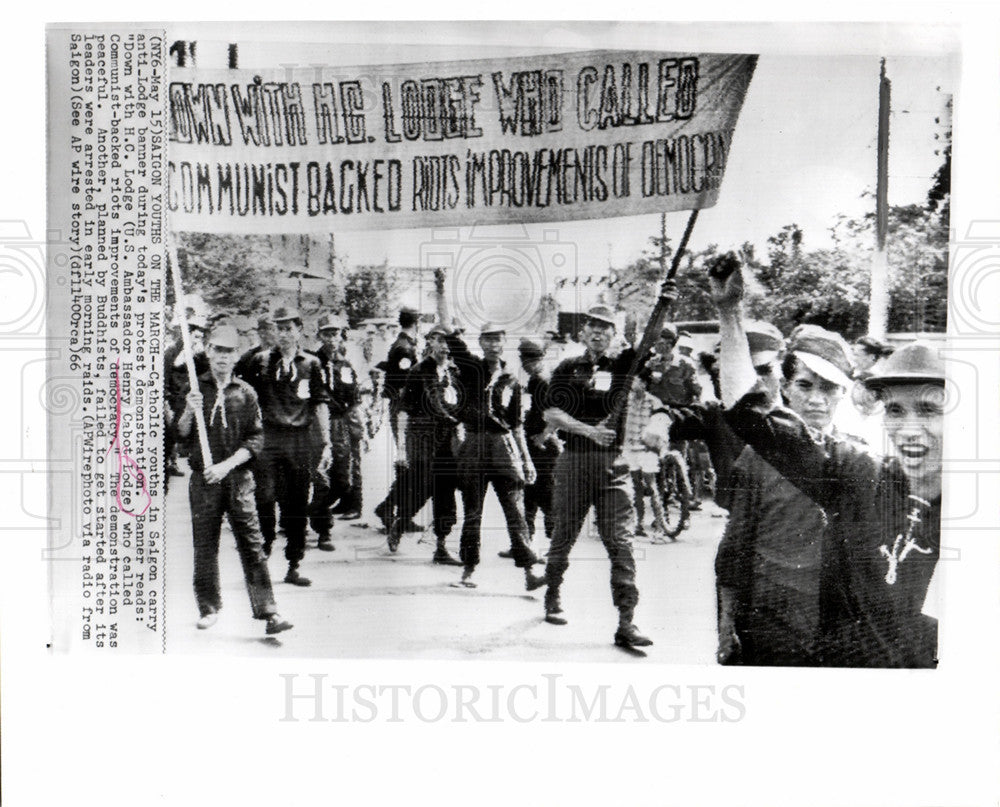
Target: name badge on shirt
x,y
602,381
346,375
505,397
450,396
404,364
302,389
656,376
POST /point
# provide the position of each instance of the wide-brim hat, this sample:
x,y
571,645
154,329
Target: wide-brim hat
x,y
602,314
286,314
224,336
331,322
916,363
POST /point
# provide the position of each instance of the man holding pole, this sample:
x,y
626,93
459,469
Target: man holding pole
x,y
582,398
221,483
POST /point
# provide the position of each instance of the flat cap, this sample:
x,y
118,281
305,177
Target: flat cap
x,y
492,328
766,341
824,352
529,350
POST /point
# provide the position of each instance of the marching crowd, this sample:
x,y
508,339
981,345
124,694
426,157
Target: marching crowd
x,y
830,542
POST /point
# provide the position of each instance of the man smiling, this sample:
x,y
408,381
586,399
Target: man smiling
x,y
882,540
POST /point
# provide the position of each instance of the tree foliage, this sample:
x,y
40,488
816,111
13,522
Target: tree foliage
x,y
235,274
829,286
369,292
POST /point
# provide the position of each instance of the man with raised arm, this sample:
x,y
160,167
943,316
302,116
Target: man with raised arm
x,y
494,451
425,445
882,539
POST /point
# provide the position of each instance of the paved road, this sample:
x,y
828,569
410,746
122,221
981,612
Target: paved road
x,y
368,603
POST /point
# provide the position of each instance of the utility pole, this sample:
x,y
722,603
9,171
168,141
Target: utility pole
x,y
878,302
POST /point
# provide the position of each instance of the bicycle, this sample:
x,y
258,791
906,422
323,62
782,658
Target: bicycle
x,y
676,502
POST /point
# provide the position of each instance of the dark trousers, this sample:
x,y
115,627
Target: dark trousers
x,y
492,459
336,483
591,478
283,477
233,497
430,473
539,495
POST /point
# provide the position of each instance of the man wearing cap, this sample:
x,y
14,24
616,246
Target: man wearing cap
x,y
706,422
267,335
177,384
341,384
397,365
428,423
673,378
768,562
349,506
881,540
543,444
590,472
235,436
293,400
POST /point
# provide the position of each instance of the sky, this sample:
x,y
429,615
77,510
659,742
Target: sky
x,y
804,151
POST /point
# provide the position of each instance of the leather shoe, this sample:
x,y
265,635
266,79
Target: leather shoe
x,y
553,608
207,620
297,579
326,544
384,514
629,636
394,533
508,554
350,515
275,624
533,582
444,558
410,526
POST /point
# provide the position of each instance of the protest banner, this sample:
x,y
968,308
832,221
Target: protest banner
x,y
541,138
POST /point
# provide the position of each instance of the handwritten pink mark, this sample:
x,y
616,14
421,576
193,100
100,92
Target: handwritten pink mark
x,y
125,462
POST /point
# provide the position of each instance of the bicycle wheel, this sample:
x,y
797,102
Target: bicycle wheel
x,y
676,507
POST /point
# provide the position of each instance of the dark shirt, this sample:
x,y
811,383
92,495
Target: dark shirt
x,y
401,359
588,390
490,399
244,365
867,621
340,380
770,556
707,422
176,381
239,426
288,396
431,396
674,382
537,394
